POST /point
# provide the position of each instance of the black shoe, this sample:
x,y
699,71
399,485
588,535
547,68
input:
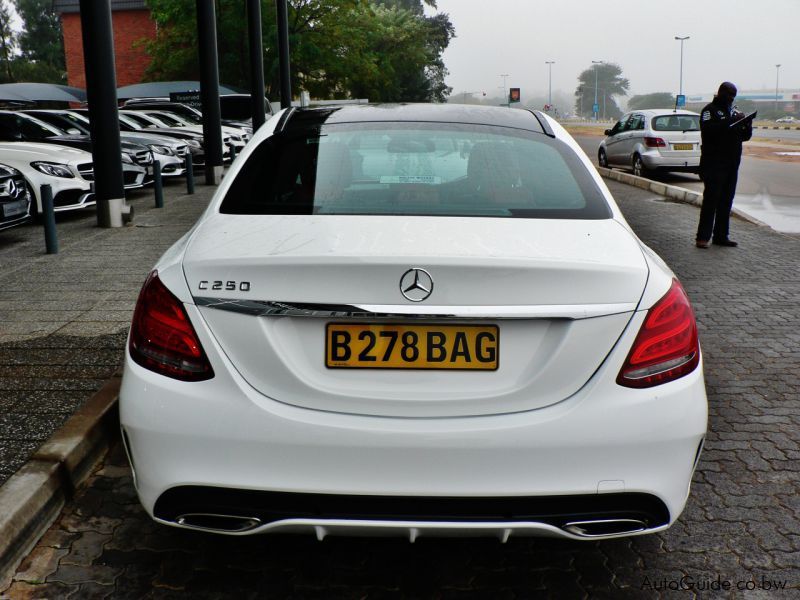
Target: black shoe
x,y
726,242
702,243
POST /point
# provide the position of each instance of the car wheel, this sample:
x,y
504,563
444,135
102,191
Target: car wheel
x,y
638,166
602,159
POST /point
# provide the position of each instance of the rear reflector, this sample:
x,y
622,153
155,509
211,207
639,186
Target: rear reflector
x,y
162,337
654,142
666,347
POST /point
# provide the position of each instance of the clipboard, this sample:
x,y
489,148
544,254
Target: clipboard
x,y
745,118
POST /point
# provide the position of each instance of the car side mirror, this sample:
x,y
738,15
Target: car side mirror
x,y
608,131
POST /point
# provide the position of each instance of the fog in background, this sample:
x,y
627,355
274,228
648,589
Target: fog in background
x,y
730,40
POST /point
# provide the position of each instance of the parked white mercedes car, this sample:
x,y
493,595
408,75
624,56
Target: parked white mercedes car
x,y
653,140
413,320
67,170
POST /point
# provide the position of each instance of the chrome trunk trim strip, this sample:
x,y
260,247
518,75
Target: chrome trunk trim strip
x,y
270,308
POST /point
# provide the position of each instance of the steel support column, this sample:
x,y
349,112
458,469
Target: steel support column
x,y
209,89
101,92
256,63
283,53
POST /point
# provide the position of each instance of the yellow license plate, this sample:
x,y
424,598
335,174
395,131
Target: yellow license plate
x,y
392,346
682,146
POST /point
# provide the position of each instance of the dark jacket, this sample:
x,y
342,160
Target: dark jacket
x,y
721,143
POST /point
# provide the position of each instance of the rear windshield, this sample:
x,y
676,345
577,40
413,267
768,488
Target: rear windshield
x,y
415,169
676,123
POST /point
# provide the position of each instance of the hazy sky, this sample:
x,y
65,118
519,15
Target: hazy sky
x,y
730,40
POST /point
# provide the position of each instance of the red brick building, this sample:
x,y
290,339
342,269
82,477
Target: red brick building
x,y
132,23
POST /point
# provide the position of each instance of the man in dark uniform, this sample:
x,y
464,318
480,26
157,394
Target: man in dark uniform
x,y
721,153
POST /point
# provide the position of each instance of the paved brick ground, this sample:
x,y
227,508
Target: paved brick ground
x,y
741,528
64,317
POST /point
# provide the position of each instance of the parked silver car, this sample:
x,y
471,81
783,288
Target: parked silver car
x,y
651,140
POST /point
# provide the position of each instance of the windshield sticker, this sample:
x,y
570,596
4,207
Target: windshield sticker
x,y
423,179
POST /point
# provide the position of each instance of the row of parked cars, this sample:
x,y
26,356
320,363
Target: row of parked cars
x,y
48,146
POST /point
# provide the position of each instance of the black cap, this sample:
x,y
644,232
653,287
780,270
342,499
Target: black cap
x,y
726,88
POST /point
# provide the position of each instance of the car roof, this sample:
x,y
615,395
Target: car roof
x,y
415,113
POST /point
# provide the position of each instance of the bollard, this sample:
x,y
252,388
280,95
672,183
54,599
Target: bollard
x,y
49,218
189,174
233,153
159,190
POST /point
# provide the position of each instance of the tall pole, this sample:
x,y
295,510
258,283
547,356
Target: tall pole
x,y
777,75
283,53
604,105
505,93
209,89
550,64
594,106
258,108
680,81
101,91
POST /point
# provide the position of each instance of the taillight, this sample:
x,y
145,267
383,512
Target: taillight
x,y
654,142
666,347
162,337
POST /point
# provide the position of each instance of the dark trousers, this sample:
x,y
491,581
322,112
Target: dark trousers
x,y
718,193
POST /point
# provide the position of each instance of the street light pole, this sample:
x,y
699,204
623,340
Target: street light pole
x,y
777,75
505,93
680,81
550,64
594,106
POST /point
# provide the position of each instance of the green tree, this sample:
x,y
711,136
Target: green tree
x,y
40,40
8,41
610,83
416,7
339,48
654,100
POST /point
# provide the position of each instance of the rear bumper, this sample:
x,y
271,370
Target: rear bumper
x,y
654,160
247,511
225,438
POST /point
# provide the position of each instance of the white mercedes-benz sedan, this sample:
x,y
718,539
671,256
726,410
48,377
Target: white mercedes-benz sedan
x,y
413,320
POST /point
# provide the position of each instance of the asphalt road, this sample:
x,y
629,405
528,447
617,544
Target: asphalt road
x,y
768,190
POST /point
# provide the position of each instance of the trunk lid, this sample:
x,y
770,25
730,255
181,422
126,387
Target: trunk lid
x,y
570,285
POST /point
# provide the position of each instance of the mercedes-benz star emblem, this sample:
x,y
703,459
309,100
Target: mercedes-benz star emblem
x,y
416,285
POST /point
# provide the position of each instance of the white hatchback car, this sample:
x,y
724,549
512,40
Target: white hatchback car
x,y
413,320
653,140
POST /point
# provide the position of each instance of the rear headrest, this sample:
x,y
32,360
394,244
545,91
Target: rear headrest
x,y
334,167
492,165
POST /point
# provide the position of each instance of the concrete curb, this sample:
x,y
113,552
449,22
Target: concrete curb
x,y
34,496
673,192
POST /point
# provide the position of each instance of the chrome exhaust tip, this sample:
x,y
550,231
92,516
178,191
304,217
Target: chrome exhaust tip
x,y
218,523
604,527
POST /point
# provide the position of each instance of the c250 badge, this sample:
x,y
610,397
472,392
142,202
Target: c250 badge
x,y
230,286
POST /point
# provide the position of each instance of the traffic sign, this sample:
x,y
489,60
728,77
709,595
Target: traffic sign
x,y
514,95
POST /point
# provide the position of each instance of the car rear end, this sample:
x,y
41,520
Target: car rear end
x,y
671,142
413,328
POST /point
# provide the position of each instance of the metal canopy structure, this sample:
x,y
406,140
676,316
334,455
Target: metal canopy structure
x,y
42,92
162,89
101,85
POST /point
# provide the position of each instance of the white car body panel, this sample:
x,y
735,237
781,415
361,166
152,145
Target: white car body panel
x,y
352,260
20,155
